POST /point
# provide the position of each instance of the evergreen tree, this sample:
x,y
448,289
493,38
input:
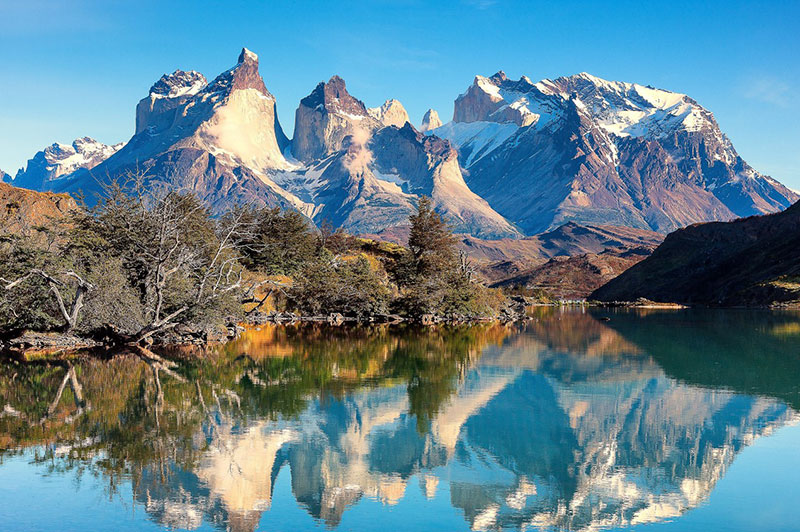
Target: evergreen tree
x,y
433,278
431,242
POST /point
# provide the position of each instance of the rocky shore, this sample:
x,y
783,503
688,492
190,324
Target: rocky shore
x,y
54,342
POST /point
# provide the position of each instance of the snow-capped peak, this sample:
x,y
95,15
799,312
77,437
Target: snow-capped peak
x,y
247,55
179,83
59,160
630,109
85,152
622,109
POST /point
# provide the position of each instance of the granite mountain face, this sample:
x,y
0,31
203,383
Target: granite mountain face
x,y
519,158
584,149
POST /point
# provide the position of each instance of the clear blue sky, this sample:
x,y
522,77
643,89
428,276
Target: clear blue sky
x,y
76,68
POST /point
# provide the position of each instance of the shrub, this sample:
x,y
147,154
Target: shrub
x,y
350,287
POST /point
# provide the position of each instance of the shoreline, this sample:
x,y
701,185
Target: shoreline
x,y
37,345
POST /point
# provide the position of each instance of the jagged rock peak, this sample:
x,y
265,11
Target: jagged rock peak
x,y
179,83
242,76
391,113
5,178
485,101
499,77
246,55
333,97
430,120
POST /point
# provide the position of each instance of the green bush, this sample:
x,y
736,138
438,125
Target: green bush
x,y
349,287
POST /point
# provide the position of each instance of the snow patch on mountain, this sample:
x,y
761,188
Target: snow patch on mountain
x,y
475,139
179,83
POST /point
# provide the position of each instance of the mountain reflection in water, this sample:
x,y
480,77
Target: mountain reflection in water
x,y
565,423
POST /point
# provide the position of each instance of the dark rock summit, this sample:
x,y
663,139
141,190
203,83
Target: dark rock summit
x,y
243,76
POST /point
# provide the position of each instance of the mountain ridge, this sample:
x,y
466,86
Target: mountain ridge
x,y
519,158
749,261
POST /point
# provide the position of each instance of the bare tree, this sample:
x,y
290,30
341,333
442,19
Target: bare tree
x,y
465,266
166,239
81,288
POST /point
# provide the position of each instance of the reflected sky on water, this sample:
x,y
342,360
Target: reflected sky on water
x,y
685,420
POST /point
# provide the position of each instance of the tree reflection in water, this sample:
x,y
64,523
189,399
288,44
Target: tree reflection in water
x,y
566,422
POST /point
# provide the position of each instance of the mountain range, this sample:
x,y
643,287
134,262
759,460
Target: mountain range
x,y
518,159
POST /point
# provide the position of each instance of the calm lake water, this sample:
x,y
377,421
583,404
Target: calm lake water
x,y
654,420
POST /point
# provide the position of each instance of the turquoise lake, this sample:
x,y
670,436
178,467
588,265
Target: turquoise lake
x,y
648,420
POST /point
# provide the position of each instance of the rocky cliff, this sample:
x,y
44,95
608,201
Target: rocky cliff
x,y
325,117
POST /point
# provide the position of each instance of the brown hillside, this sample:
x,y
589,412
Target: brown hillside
x,y
22,210
576,277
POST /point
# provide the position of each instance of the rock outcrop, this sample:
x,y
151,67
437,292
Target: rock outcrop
x,y
391,113
430,120
22,210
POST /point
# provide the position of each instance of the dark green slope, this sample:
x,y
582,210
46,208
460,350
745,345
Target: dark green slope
x,y
750,261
